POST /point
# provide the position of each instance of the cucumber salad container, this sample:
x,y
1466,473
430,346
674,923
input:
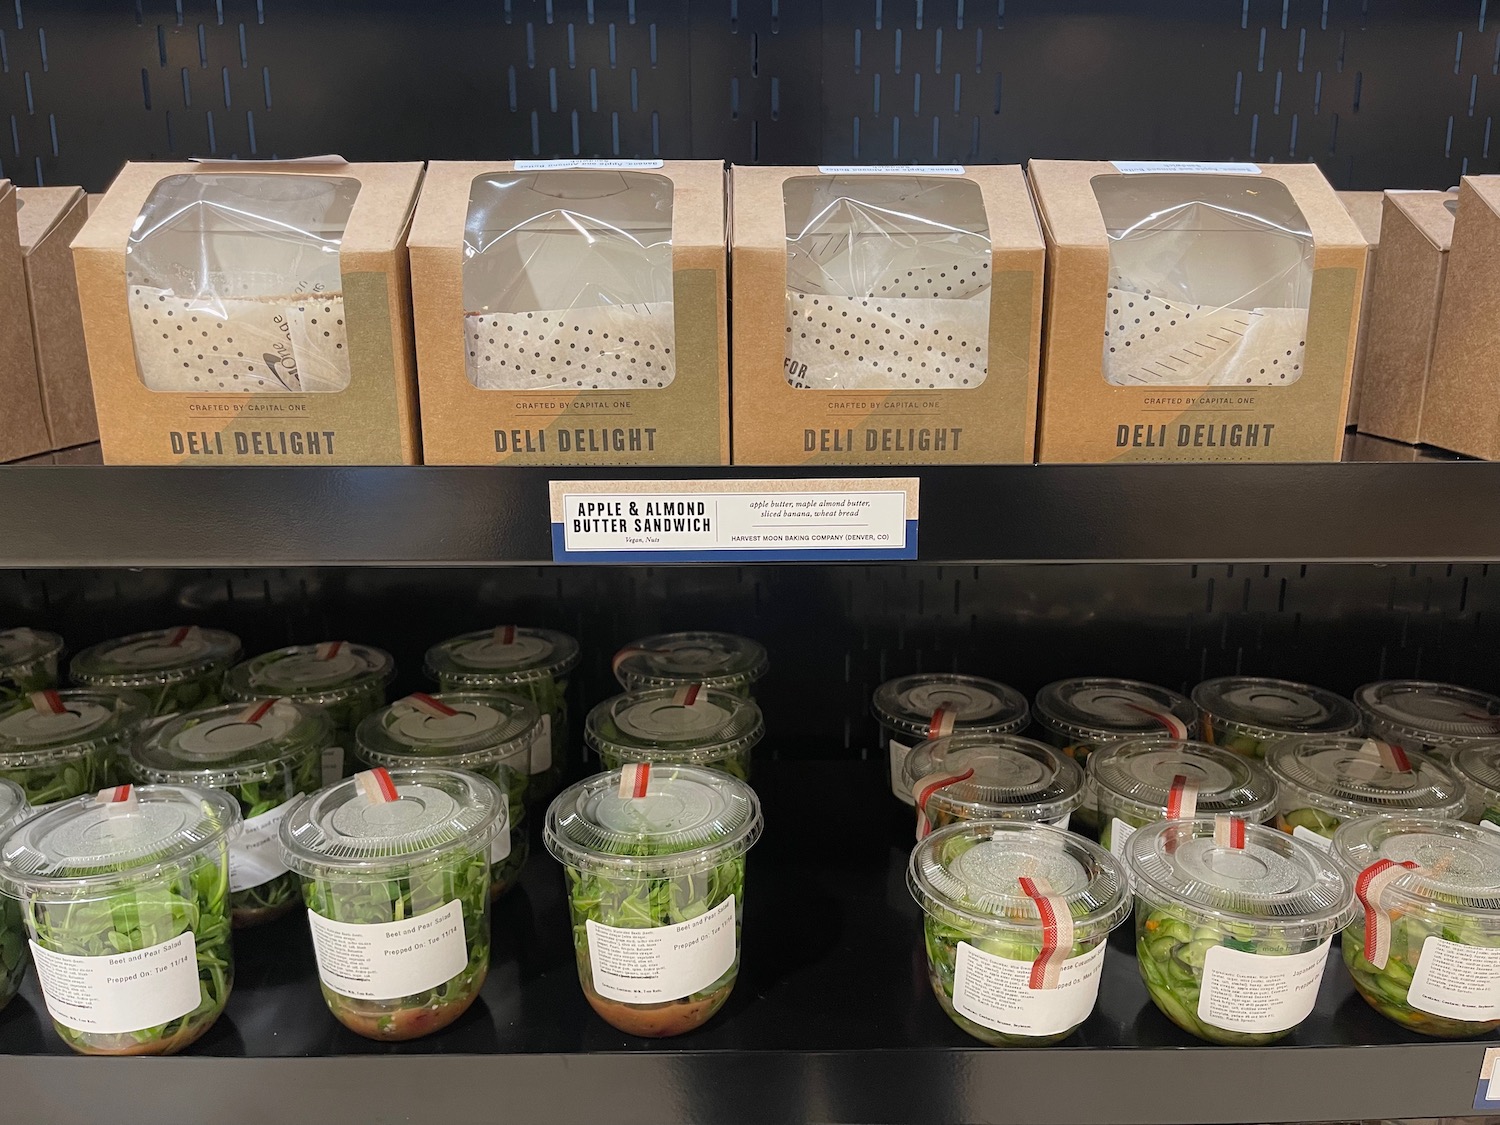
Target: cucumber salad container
x,y
347,681
1323,782
686,726
916,709
1015,920
176,669
61,744
485,732
532,663
1424,950
991,777
654,858
125,896
264,755
14,953
1247,713
28,661
1478,767
718,660
1151,779
1233,925
1434,718
395,868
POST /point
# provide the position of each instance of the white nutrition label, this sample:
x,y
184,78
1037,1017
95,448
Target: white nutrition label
x,y
899,751
333,765
388,960
996,992
541,746
1461,982
500,845
255,855
1307,835
662,963
1254,992
1119,833
122,993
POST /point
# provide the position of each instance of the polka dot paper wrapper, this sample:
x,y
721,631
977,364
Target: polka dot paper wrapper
x,y
604,347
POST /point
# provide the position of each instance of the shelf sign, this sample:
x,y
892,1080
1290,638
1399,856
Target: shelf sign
x,y
1487,1098
651,521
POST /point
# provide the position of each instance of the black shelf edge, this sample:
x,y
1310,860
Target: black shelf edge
x,y
75,516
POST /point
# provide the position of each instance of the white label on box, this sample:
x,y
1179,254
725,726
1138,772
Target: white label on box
x,y
899,751
389,960
891,169
121,993
333,765
255,854
1461,982
541,746
1307,835
1199,167
1119,832
996,992
500,846
606,165
663,963
1255,993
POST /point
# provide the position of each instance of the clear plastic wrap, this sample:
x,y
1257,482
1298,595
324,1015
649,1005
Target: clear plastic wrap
x,y
234,284
1209,280
568,281
887,283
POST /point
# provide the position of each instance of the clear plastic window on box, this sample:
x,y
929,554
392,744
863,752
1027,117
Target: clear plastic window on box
x,y
887,283
568,281
1209,280
234,284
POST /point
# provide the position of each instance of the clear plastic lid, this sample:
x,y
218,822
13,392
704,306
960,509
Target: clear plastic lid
x,y
465,730
1273,880
1097,709
91,840
720,660
1418,711
162,656
690,818
1010,775
50,725
1479,765
1263,708
503,655
1139,775
345,831
1458,865
322,673
234,744
973,870
1352,777
674,725
908,703
27,646
13,806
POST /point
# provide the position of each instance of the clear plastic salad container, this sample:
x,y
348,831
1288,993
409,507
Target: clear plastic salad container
x,y
999,970
992,777
347,680
395,868
263,755
1434,965
485,732
1323,782
60,744
1431,717
1136,784
717,660
690,726
177,669
28,661
1232,925
1246,713
1478,767
125,896
15,955
534,663
913,709
656,886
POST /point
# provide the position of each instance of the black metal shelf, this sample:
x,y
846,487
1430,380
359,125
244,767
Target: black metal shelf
x,y
122,516
832,1020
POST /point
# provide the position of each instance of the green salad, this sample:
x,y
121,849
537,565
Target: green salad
x,y
722,661
175,669
692,725
657,878
395,873
60,744
130,871
28,661
15,955
1248,713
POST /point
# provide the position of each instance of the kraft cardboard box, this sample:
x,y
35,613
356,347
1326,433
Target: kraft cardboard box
x,y
1401,319
572,313
252,313
49,220
23,425
1195,312
1364,208
884,315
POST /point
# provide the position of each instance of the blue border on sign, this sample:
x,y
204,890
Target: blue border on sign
x,y
1482,1097
560,553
